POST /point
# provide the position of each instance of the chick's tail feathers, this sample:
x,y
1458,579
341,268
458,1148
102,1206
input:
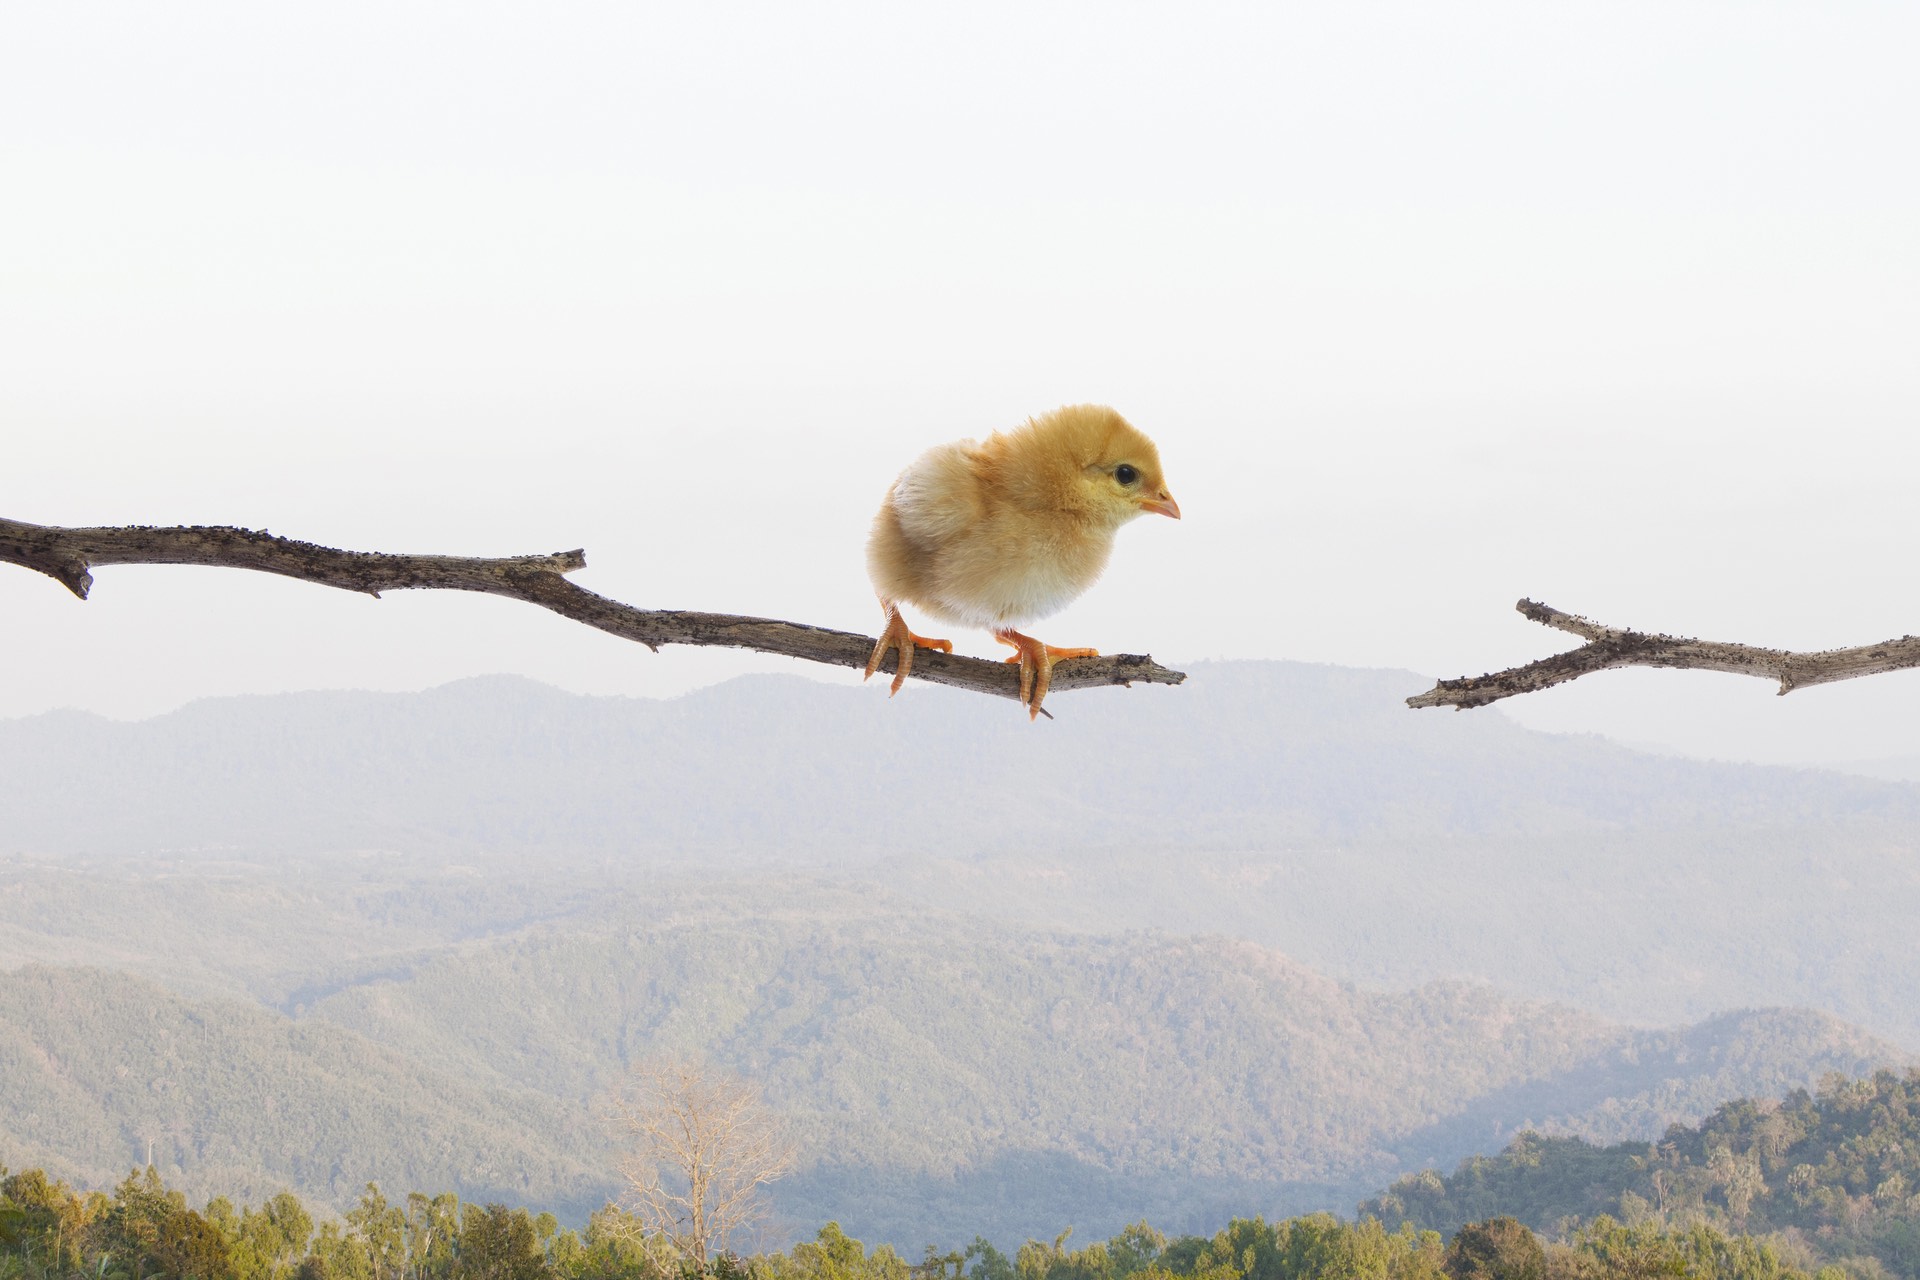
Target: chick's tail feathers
x,y
1036,666
897,636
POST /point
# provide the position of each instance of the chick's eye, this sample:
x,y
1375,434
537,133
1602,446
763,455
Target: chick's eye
x,y
1126,474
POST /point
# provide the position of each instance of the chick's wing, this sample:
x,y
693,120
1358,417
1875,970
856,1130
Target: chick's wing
x,y
939,496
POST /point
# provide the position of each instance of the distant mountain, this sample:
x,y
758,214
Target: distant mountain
x,y
1891,768
1249,754
1301,807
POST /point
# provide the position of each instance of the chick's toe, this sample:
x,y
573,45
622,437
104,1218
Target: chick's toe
x,y
1036,666
897,636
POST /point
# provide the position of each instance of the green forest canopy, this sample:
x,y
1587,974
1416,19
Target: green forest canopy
x,y
1838,1168
145,1231
1816,1185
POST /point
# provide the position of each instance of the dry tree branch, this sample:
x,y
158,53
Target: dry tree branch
x,y
67,556
1609,647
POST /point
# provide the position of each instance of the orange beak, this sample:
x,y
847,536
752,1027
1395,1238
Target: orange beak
x,y
1161,503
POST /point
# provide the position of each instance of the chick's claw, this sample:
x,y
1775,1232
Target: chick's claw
x,y
897,636
1036,667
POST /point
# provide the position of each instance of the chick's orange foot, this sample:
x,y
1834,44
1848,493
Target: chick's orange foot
x,y
896,635
1036,666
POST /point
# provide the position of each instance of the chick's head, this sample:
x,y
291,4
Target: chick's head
x,y
1097,464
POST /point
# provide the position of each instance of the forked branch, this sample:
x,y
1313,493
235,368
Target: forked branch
x,y
69,555
1609,647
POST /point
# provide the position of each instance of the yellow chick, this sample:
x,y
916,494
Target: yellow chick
x,y
1000,532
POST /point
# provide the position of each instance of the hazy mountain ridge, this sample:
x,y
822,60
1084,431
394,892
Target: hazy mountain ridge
x,y
784,768
282,934
1302,807
1657,925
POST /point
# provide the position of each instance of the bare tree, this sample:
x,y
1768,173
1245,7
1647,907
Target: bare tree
x,y
701,1144
68,556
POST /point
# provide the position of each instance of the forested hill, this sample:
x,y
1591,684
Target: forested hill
x,y
939,1073
1840,1166
102,1069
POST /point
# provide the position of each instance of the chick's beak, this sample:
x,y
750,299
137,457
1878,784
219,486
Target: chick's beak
x,y
1161,503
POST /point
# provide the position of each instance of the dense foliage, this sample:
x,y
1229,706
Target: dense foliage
x,y
144,1230
1839,1168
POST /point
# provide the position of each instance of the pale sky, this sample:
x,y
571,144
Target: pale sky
x,y
1429,307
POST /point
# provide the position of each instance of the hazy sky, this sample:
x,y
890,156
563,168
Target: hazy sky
x,y
1429,307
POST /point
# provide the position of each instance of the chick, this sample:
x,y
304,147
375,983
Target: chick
x,y
1000,532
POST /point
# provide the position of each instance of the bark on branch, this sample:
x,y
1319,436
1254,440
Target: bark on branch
x,y
68,555
1608,647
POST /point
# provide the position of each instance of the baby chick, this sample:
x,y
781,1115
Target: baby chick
x,y
1000,532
